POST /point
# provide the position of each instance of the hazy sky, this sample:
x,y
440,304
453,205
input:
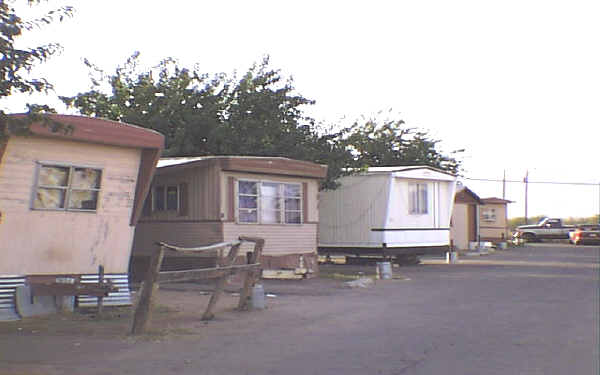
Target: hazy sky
x,y
515,83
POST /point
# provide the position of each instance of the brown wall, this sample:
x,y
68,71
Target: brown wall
x,y
211,217
182,234
203,194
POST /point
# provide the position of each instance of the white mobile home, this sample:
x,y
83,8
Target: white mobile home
x,y
397,210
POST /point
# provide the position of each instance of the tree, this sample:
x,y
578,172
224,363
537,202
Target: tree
x,y
182,104
16,63
379,143
259,114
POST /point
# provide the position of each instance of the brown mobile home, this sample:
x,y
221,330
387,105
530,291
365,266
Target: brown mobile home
x,y
204,200
70,202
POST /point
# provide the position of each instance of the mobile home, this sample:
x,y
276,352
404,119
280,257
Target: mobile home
x,y
204,200
69,202
394,210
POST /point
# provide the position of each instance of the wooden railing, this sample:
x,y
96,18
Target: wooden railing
x,y
225,268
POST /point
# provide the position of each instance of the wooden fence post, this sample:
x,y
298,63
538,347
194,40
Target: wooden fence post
x,y
220,284
100,298
143,311
250,278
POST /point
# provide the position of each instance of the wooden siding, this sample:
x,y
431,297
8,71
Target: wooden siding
x,y
274,166
348,213
55,242
183,234
204,195
279,239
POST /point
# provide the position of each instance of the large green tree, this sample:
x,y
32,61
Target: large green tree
x,y
383,142
259,114
16,64
182,104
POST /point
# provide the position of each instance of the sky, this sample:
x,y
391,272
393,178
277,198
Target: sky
x,y
514,83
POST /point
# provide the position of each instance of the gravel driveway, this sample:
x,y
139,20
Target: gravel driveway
x,y
531,310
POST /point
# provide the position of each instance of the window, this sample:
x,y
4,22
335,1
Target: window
x,y
159,198
169,198
166,198
488,214
418,199
172,198
269,202
69,188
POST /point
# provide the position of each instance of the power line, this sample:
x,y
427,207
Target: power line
x,y
534,182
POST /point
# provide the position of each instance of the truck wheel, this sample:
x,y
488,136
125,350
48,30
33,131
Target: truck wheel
x,y
529,237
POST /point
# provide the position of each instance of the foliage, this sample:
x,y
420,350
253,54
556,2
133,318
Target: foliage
x,y
182,104
389,143
259,114
16,63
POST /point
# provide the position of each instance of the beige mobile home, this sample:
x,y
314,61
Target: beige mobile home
x,y
69,202
493,220
204,200
397,210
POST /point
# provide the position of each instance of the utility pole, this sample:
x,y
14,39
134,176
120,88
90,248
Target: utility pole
x,y
526,180
504,185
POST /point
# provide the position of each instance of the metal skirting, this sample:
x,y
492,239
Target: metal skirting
x,y
120,298
8,285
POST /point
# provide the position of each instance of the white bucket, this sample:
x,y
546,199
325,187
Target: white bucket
x,y
258,297
451,257
385,270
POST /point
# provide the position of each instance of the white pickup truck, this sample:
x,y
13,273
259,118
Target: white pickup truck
x,y
546,229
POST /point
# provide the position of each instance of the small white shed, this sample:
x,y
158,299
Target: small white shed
x,y
398,210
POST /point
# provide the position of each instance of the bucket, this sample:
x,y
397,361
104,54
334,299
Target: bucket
x,y
258,297
385,270
451,257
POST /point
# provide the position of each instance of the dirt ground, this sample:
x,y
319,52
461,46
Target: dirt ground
x,y
522,311
51,344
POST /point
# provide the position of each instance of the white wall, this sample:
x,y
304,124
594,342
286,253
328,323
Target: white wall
x,y
347,214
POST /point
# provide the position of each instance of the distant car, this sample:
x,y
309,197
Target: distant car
x,y
547,228
585,234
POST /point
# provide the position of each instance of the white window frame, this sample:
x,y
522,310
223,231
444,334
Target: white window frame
x,y
68,188
417,206
259,203
488,215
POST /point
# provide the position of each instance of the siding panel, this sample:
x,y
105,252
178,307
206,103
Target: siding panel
x,y
183,234
348,213
279,239
55,242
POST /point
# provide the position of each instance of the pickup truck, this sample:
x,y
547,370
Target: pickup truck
x,y
546,229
